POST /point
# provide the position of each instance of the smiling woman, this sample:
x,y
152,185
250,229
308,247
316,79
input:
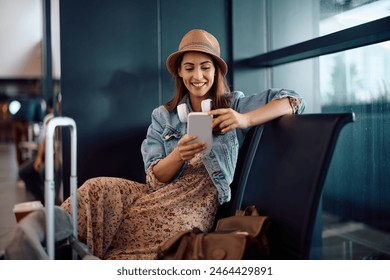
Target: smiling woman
x,y
184,186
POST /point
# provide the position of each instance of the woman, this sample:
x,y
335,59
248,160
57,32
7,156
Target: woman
x,y
122,219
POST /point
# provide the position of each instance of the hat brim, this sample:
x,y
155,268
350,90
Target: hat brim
x,y
172,60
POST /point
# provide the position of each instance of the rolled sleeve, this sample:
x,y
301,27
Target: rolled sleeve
x,y
152,147
283,93
153,183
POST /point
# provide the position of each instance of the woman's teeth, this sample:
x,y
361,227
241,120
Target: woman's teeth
x,y
198,84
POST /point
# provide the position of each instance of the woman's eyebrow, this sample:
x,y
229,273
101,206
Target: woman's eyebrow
x,y
191,63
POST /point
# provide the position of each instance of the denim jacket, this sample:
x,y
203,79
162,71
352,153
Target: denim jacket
x,y
166,130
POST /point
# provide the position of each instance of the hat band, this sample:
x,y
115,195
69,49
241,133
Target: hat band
x,y
201,44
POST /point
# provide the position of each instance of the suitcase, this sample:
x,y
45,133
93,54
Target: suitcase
x,y
49,180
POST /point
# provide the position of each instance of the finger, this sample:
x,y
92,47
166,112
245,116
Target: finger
x,y
218,121
196,147
186,139
226,123
187,155
192,148
217,112
228,128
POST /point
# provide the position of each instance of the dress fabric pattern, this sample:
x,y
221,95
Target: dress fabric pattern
x,y
122,219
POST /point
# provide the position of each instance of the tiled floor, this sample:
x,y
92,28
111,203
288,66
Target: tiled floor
x,y
10,191
341,240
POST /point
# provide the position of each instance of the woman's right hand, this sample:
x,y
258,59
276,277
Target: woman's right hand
x,y
167,167
188,150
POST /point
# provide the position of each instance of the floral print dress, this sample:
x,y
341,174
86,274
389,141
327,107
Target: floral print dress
x,y
122,219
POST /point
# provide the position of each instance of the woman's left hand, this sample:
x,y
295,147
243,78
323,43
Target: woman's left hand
x,y
228,119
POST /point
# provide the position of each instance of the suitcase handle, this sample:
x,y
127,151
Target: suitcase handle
x,y
49,179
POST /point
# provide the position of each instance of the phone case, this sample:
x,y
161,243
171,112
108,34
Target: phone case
x,y
199,124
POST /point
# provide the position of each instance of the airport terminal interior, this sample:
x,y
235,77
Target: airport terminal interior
x,y
108,65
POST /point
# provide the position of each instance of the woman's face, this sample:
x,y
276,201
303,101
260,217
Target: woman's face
x,y
197,71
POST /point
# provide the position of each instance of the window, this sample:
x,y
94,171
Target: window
x,y
356,193
337,54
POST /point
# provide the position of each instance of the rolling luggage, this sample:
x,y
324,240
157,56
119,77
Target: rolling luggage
x,y
52,224
50,183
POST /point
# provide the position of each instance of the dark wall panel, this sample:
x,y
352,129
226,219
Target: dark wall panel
x,y
109,82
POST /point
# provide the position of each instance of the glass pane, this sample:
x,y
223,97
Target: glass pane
x,y
337,15
357,76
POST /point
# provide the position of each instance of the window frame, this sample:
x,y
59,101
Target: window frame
x,y
373,32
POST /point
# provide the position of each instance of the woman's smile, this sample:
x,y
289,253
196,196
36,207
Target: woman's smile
x,y
198,85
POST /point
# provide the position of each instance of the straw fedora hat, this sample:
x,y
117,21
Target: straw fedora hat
x,y
200,41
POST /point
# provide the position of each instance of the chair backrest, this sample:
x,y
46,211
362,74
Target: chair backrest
x,y
282,168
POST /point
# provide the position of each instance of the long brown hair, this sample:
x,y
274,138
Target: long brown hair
x,y
219,92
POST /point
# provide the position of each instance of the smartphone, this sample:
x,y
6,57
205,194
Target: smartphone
x,y
199,124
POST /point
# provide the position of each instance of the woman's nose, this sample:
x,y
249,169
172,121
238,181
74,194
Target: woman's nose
x,y
198,73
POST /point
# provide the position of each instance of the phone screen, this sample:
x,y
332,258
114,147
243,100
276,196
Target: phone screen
x,y
199,124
